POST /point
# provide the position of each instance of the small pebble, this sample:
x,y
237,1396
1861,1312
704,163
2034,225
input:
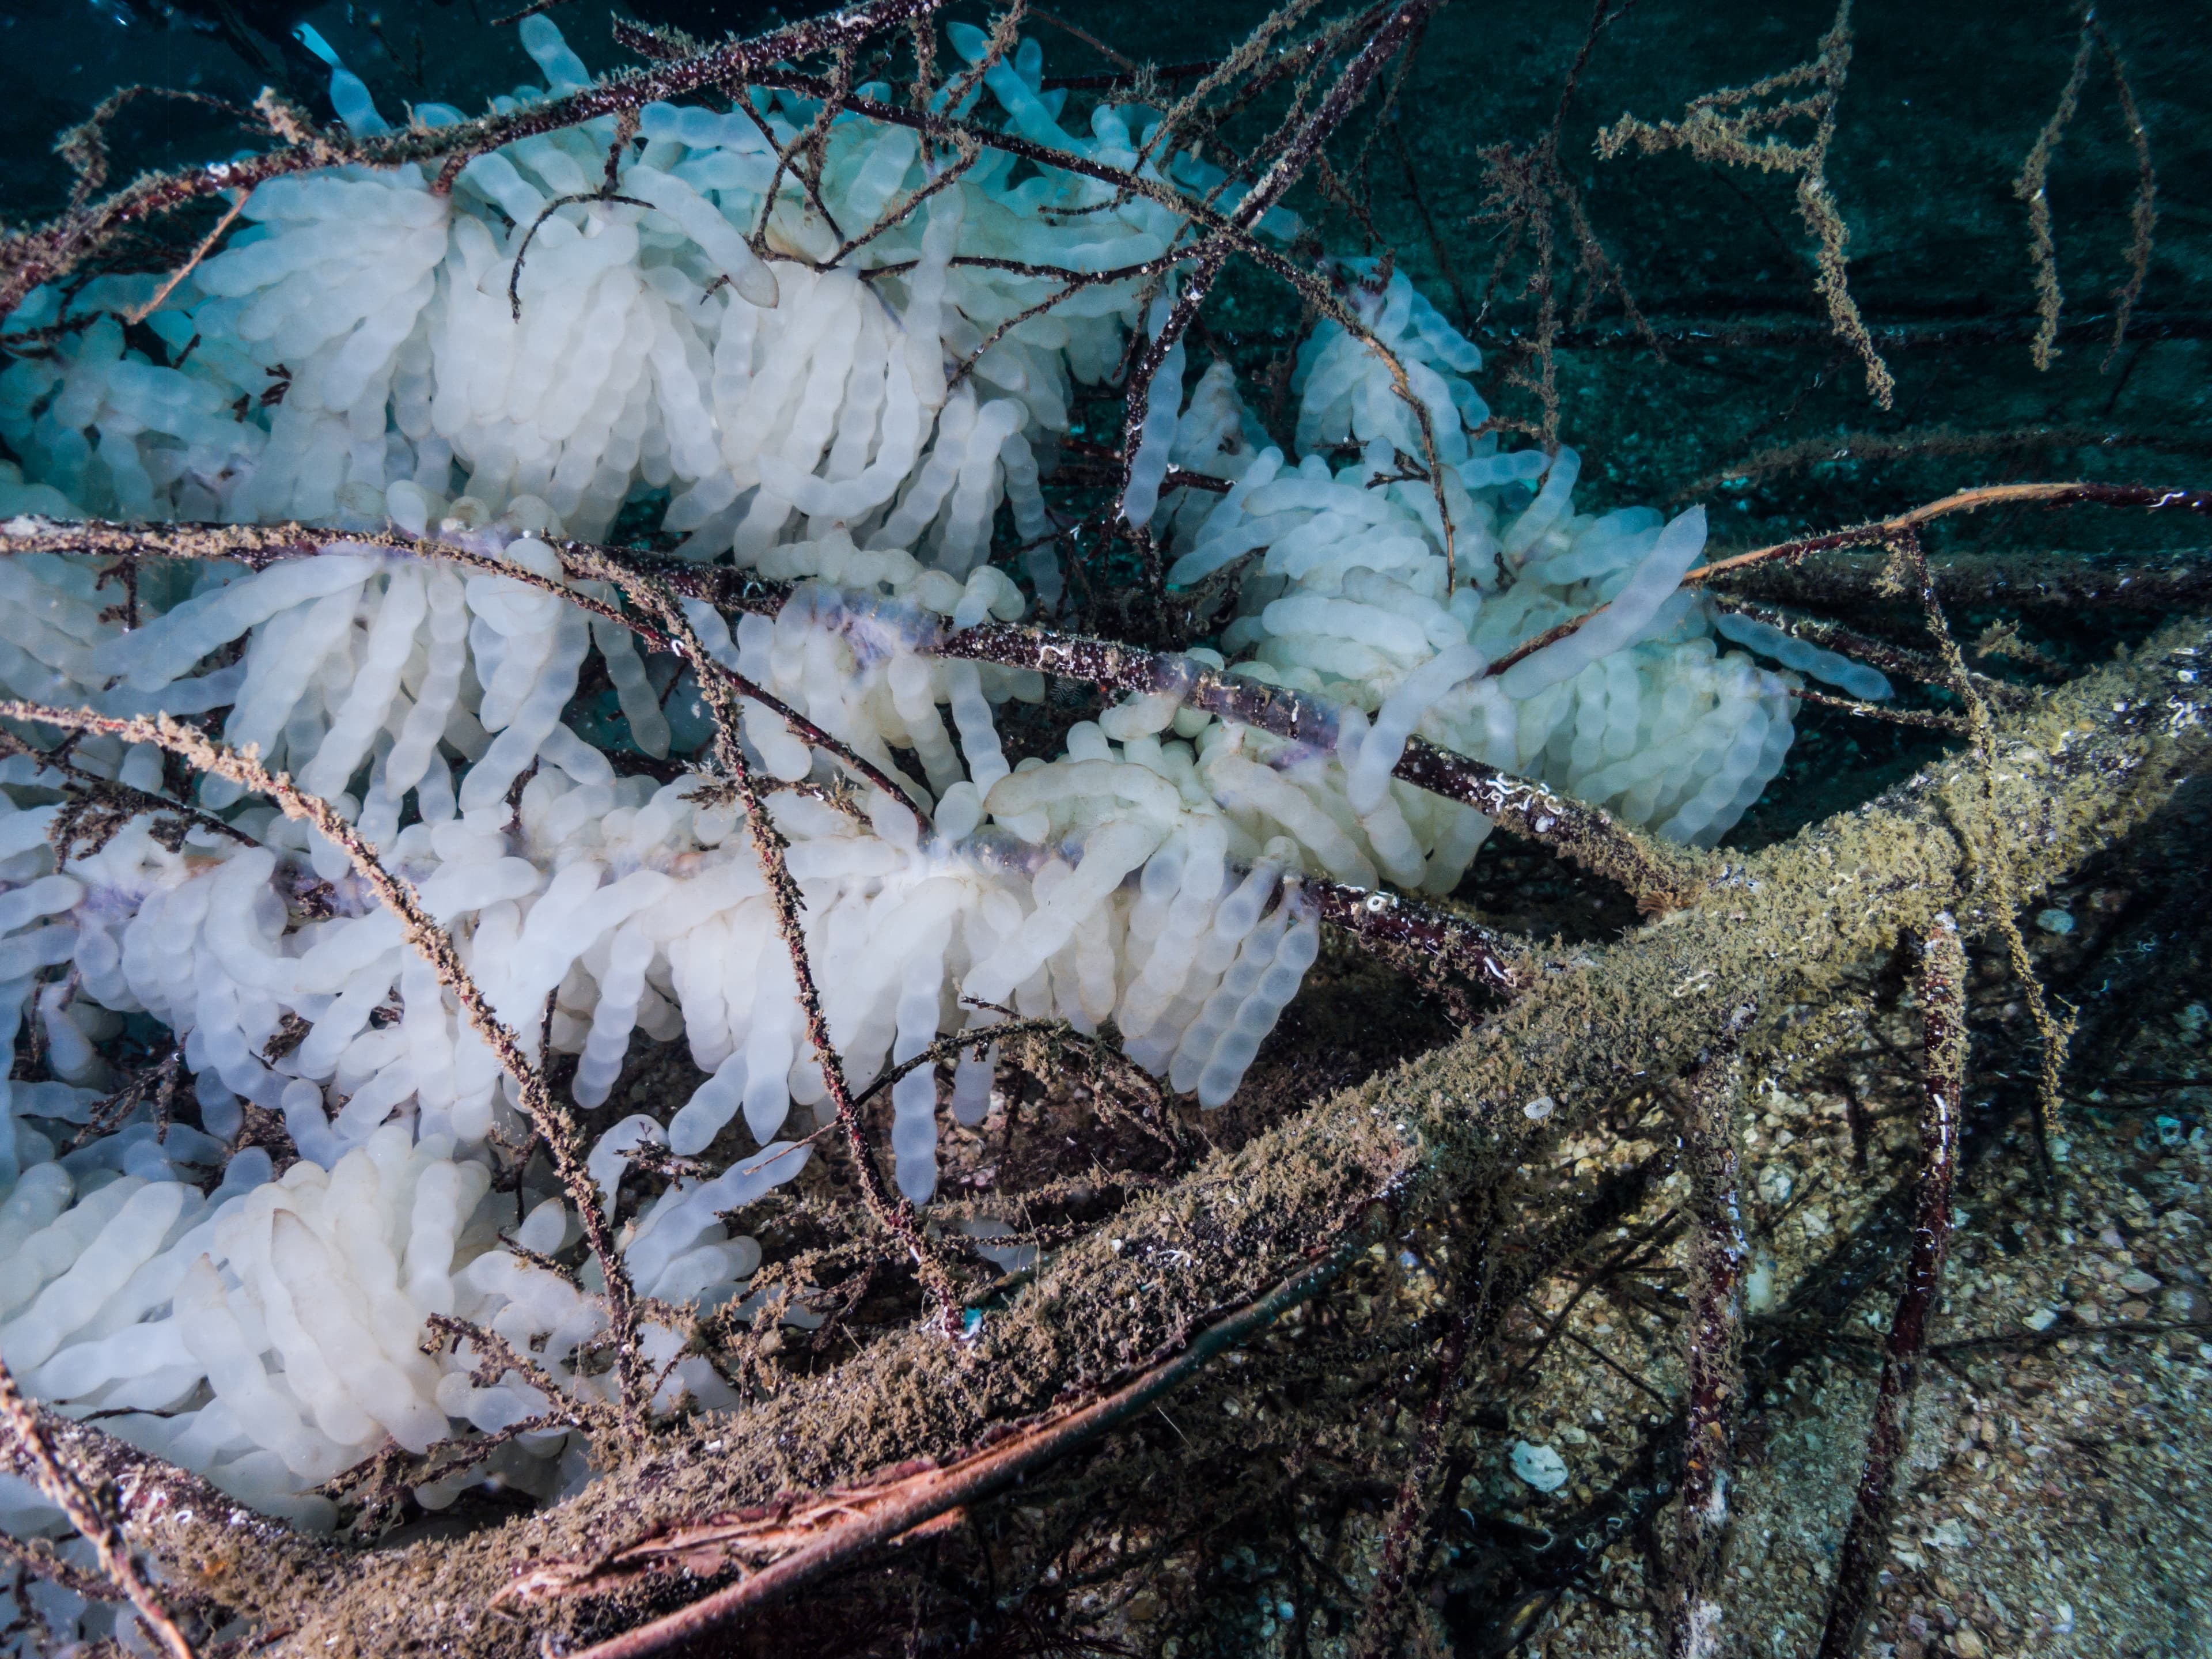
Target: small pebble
x,y
1541,1467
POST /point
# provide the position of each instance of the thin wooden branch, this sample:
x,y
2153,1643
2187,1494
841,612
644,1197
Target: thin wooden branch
x,y
1882,531
1874,711
435,945
1375,916
2053,1031
28,257
1712,1395
891,1208
1660,878
259,546
1942,997
68,1492
2029,581
1377,1635
848,1526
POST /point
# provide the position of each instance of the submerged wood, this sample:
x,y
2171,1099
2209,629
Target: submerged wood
x,y
2083,766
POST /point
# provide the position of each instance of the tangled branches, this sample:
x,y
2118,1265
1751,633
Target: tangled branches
x,y
1184,1273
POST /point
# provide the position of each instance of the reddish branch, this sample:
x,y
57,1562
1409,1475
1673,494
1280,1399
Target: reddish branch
x,y
1884,532
1943,999
1713,1389
797,1543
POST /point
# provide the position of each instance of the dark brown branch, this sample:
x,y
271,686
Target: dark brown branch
x,y
1941,442
891,1208
1659,878
259,546
847,1527
1379,1629
64,1487
1942,998
32,257
1712,1393
1874,711
1303,146
1489,958
2029,580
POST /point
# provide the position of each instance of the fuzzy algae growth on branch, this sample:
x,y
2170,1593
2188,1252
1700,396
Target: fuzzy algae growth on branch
x,y
495,798
1368,1160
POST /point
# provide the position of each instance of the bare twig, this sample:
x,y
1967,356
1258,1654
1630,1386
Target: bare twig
x,y
66,1492
140,313
1921,718
1943,994
2054,1032
2030,581
259,546
1490,959
2030,187
891,1208
2142,218
804,1543
1712,1394
1379,1626
1884,532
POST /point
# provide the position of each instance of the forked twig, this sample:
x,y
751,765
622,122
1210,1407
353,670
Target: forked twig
x,y
891,1208
1738,127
